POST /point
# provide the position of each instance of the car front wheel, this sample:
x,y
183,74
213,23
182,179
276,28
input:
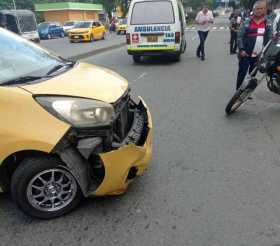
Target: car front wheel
x,y
44,189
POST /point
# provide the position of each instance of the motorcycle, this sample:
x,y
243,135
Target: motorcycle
x,y
268,65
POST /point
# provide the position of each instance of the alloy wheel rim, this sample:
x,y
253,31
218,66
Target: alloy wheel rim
x,y
51,190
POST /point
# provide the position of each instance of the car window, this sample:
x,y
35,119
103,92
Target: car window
x,y
71,23
123,21
20,58
43,26
152,12
84,24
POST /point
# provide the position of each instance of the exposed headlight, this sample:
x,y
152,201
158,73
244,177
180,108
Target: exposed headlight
x,y
78,112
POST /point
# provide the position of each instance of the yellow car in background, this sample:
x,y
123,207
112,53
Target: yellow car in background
x,y
87,31
121,26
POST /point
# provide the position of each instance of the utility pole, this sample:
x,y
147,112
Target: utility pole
x,y
15,8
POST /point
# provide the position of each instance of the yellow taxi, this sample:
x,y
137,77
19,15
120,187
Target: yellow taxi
x,y
121,26
68,130
87,31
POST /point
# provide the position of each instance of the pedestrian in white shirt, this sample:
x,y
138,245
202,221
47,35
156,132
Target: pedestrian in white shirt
x,y
204,19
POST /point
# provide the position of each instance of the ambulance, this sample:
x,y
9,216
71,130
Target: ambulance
x,y
156,28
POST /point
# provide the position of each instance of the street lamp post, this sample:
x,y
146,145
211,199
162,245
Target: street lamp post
x,y
15,8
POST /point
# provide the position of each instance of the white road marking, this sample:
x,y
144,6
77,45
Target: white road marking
x,y
214,28
142,75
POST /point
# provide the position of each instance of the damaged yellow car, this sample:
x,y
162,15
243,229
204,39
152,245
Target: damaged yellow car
x,y
68,130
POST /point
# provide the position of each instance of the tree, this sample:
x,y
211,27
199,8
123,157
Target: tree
x,y
248,4
196,4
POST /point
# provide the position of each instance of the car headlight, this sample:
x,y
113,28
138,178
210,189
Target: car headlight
x,y
78,112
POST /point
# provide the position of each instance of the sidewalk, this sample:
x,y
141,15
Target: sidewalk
x,y
64,48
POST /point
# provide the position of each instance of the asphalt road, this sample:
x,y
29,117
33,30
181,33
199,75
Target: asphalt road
x,y
62,46
213,181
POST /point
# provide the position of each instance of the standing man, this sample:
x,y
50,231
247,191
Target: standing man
x,y
204,18
235,22
254,34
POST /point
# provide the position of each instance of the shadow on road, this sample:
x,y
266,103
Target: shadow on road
x,y
98,207
160,61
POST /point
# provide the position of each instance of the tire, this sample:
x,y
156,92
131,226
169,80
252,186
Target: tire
x,y
103,36
235,102
176,58
91,39
137,58
118,32
60,189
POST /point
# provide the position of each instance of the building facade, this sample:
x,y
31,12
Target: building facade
x,y
65,11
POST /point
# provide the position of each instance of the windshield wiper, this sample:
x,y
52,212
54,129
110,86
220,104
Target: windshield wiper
x,y
23,80
60,66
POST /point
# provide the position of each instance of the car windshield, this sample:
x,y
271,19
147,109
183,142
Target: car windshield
x,y
123,21
71,23
20,58
83,24
152,12
43,26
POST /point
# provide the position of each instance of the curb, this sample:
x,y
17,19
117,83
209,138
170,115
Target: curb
x,y
95,52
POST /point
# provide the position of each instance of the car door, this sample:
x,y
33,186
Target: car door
x,y
102,29
60,30
52,30
57,30
95,30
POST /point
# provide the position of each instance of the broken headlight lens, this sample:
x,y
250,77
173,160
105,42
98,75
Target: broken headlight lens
x,y
78,112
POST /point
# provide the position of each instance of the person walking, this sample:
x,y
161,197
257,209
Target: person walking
x,y
204,18
254,34
235,22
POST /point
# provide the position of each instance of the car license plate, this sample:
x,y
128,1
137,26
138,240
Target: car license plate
x,y
76,36
152,38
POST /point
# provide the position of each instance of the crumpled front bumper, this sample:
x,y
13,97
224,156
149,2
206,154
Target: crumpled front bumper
x,y
119,163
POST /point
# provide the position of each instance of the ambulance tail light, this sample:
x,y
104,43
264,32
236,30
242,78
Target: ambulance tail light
x,y
177,37
128,40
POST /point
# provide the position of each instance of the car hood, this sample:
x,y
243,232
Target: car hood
x,y
84,80
80,30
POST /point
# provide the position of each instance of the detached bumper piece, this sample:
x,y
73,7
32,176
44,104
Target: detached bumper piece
x,y
104,160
